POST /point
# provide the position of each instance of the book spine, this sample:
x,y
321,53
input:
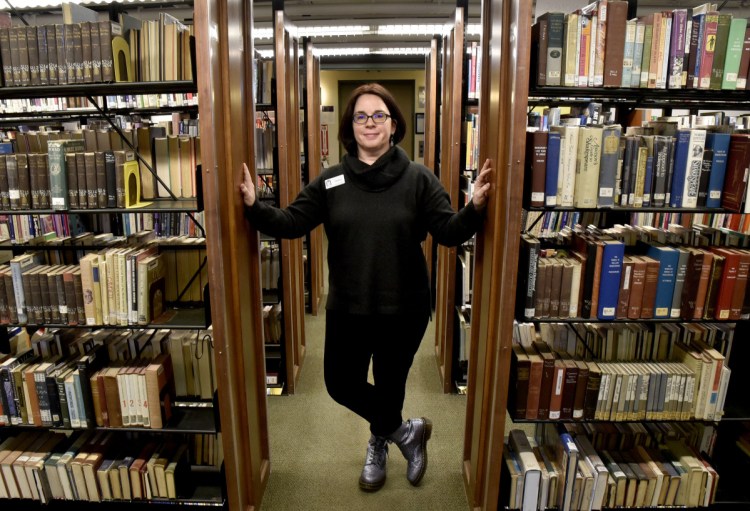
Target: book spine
x,y
609,282
556,31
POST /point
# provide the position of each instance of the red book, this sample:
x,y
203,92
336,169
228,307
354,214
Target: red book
x,y
617,17
636,292
548,373
735,184
626,281
536,368
536,161
558,380
649,287
521,368
727,282
740,286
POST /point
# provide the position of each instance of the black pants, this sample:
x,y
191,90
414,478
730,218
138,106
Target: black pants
x,y
390,341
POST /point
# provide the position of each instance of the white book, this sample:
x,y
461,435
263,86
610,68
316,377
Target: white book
x,y
588,159
122,388
723,385
567,173
661,80
70,393
530,471
598,471
104,288
693,168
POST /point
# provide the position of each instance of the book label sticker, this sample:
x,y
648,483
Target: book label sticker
x,y
334,181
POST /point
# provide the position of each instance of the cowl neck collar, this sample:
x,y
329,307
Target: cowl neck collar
x,y
379,176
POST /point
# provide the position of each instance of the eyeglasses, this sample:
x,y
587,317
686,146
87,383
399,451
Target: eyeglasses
x,y
377,118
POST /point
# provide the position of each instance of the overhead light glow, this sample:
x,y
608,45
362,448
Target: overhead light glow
x,y
333,31
262,33
407,30
340,52
402,51
474,29
33,4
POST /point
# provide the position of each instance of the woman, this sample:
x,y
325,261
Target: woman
x,y
377,207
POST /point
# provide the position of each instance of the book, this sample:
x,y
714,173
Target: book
x,y
160,390
536,158
735,185
530,470
613,253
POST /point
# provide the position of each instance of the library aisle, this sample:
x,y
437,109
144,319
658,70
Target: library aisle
x,y
318,447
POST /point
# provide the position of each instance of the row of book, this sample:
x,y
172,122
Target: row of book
x,y
551,224
594,278
60,229
93,466
86,50
657,165
694,228
58,54
265,139
553,385
70,177
471,127
132,101
122,285
634,342
270,265
597,46
272,327
474,71
559,470
106,378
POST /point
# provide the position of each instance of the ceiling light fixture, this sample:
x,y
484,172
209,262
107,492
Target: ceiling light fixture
x,y
402,51
340,52
332,31
411,30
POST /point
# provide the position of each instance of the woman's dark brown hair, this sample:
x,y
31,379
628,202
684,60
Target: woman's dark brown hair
x,y
346,128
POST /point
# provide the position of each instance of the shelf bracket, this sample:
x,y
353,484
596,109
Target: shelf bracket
x,y
125,139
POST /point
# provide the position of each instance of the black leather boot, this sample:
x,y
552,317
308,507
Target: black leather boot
x,y
373,473
411,438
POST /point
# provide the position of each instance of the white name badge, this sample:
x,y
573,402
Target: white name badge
x,y
335,181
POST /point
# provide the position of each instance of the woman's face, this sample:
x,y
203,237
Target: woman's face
x,y
373,139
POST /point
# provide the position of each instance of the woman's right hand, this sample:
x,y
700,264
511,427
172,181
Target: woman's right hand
x,y
247,187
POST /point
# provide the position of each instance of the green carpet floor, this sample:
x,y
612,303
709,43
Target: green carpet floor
x,y
318,447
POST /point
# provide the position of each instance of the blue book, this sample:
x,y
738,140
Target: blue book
x,y
608,165
6,148
613,252
719,142
681,155
568,459
553,165
669,260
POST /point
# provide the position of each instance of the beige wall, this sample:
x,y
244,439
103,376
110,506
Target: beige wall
x,y
329,97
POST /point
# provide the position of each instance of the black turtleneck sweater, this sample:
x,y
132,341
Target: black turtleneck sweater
x,y
375,218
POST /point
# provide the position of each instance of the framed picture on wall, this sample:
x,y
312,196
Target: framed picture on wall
x,y
419,123
420,97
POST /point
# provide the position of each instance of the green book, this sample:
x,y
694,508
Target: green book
x,y
720,51
734,53
58,176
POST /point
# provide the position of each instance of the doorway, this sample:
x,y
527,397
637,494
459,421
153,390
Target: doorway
x,y
403,92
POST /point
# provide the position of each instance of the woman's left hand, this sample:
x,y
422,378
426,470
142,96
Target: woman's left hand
x,y
482,186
